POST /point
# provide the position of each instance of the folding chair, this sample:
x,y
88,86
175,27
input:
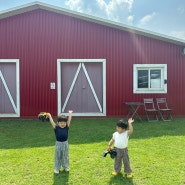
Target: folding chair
x,y
151,112
164,111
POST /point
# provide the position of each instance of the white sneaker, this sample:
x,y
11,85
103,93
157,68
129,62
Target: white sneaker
x,y
66,169
56,171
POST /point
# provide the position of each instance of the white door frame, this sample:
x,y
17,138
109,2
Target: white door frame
x,y
16,104
62,107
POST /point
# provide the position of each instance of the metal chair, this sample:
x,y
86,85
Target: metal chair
x,y
164,111
151,111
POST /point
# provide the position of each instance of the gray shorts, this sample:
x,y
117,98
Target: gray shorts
x,y
61,155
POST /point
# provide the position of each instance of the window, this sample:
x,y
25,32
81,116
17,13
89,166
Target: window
x,y
150,78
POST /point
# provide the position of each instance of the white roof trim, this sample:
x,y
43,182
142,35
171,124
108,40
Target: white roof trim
x,y
38,5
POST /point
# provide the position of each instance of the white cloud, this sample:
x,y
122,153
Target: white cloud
x,y
146,19
112,5
130,19
116,10
83,6
76,5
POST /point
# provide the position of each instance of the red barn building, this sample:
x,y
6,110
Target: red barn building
x,y
54,60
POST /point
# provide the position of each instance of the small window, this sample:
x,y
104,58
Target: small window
x,y
150,78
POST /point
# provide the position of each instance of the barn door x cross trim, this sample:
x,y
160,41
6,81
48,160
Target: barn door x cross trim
x,y
8,91
81,66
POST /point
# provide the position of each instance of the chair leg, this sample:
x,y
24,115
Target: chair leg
x,y
167,116
161,115
147,115
152,117
156,118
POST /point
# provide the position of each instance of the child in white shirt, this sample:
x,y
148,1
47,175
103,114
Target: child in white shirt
x,y
120,140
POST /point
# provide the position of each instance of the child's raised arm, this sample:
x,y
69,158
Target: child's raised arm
x,y
51,120
69,118
130,130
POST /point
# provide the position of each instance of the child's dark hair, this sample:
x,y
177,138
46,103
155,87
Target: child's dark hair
x,y
122,124
62,118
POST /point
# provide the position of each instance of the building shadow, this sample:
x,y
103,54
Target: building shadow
x,y
120,180
34,133
61,178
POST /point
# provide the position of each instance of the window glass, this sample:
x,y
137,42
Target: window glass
x,y
155,78
150,78
142,79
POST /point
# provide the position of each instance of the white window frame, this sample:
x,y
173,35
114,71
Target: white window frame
x,y
161,90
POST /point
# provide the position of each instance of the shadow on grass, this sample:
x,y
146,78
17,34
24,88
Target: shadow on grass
x,y
34,133
61,178
120,180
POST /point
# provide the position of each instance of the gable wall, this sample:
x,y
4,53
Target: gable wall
x,y
38,38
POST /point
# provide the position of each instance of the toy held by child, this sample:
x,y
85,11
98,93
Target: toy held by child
x,y
43,116
112,153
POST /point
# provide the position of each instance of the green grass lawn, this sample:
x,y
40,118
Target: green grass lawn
x,y
156,153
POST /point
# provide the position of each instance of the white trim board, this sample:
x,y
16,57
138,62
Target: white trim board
x,y
16,104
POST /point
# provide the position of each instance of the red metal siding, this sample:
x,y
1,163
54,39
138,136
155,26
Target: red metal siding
x,y
39,38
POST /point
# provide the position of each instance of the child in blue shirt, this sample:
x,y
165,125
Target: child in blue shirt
x,y
61,146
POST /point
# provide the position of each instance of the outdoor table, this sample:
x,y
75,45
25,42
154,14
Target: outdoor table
x,y
133,109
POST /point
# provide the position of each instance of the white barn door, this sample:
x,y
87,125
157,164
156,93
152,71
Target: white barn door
x,y
9,88
82,86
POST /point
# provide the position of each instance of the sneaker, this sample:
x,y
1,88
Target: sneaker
x,y
56,171
114,173
66,169
129,175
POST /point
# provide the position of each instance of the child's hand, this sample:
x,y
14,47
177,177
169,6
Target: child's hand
x,y
48,114
70,111
109,148
130,120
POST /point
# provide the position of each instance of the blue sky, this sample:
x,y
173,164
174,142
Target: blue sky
x,y
161,16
